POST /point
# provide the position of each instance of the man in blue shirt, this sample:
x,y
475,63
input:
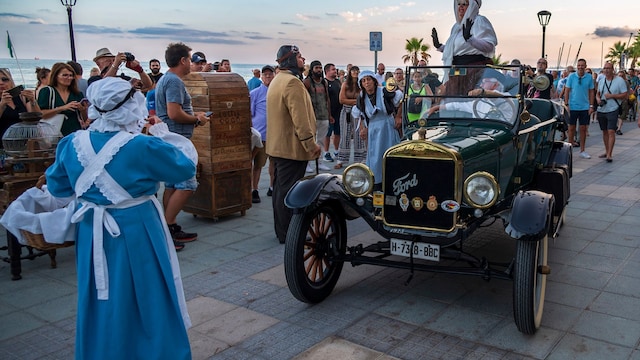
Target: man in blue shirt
x,y
258,98
173,106
254,82
578,95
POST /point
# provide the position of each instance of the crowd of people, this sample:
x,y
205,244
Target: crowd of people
x,y
582,90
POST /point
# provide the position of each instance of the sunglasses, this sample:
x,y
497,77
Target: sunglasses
x,y
5,79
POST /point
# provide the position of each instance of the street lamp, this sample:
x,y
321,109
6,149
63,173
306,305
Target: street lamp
x,y
543,17
69,4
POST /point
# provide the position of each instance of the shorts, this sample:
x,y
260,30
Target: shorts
x,y
260,159
334,128
191,184
608,120
322,126
624,113
579,116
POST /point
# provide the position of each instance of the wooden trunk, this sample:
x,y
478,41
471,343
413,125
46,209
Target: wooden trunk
x,y
224,144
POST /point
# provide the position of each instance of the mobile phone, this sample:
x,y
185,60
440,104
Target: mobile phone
x,y
16,91
208,113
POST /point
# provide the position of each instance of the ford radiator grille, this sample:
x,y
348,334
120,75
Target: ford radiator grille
x,y
420,193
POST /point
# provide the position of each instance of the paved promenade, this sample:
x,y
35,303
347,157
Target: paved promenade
x,y
241,307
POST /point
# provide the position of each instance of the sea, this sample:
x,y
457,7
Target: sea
x,y
24,71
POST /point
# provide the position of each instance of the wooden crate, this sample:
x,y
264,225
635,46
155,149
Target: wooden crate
x,y
224,144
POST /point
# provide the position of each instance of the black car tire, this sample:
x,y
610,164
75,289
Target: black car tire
x,y
529,284
314,237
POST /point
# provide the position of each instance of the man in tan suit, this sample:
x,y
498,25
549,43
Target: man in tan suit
x,y
291,129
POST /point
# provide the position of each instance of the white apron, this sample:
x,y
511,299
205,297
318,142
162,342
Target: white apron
x,y
95,173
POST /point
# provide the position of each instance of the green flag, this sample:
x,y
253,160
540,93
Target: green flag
x,y
9,45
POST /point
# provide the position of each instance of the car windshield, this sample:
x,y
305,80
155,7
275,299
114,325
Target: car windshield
x,y
462,93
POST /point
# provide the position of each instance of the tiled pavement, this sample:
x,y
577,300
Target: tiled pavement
x,y
242,309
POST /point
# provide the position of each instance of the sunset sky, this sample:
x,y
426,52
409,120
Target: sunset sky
x,y
331,31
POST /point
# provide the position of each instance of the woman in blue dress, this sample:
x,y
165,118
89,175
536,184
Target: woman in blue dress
x,y
378,116
130,298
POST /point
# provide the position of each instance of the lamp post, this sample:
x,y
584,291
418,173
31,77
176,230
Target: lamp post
x,y
623,55
69,4
543,17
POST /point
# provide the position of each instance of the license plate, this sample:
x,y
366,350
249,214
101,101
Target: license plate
x,y
419,250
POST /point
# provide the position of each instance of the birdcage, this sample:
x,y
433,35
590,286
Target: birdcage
x,y
30,145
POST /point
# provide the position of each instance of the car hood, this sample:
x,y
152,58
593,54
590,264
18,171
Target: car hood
x,y
470,140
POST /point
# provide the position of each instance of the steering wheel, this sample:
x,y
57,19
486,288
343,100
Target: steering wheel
x,y
493,108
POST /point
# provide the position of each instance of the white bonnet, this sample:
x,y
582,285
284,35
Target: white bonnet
x,y
105,95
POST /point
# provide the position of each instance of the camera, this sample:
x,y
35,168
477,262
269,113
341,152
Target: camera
x,y
602,102
129,56
216,66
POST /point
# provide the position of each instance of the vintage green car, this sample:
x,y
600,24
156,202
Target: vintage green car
x,y
474,150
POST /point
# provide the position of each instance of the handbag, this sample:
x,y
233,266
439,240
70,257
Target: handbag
x,y
58,119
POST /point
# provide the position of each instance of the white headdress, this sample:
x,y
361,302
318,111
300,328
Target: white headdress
x,y
116,106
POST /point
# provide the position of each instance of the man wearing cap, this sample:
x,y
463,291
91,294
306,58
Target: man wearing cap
x,y
109,65
291,132
173,106
258,99
199,62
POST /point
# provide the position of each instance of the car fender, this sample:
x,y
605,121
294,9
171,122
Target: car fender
x,y
315,189
531,214
561,157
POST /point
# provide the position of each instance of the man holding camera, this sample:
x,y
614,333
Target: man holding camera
x,y
578,95
109,65
612,91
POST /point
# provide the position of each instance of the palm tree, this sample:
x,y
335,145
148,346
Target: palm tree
x,y
615,52
634,50
498,61
416,51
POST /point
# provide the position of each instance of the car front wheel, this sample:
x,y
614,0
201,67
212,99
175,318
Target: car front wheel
x,y
529,284
313,239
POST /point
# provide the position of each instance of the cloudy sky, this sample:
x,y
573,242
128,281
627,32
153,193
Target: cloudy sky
x,y
250,31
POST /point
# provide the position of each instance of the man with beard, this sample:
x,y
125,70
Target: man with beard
x,y
155,74
334,84
318,88
291,130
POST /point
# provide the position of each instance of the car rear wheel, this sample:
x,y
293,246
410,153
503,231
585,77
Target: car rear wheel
x,y
529,284
313,239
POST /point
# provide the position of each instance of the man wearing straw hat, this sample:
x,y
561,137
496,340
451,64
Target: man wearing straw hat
x,y
109,65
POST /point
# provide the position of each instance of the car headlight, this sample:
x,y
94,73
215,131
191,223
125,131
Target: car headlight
x,y
358,180
481,190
